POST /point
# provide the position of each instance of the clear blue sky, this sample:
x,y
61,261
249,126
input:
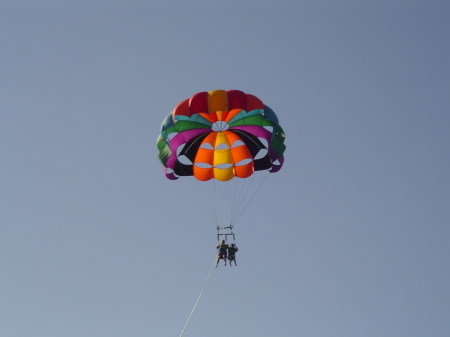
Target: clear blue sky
x,y
350,239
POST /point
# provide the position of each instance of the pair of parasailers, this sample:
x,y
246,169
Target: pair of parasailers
x,y
225,250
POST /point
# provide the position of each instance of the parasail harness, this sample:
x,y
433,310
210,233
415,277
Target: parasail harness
x,y
224,233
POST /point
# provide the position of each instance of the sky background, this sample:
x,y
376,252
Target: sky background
x,y
350,239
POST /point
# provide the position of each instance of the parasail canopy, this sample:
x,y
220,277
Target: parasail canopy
x,y
220,135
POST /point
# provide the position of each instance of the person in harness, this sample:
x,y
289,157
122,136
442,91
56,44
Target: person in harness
x,y
222,253
232,249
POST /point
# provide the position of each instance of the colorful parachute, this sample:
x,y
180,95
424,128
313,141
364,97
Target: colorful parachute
x,y
220,134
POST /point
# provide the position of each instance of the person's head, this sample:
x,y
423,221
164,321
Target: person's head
x,y
232,244
223,241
